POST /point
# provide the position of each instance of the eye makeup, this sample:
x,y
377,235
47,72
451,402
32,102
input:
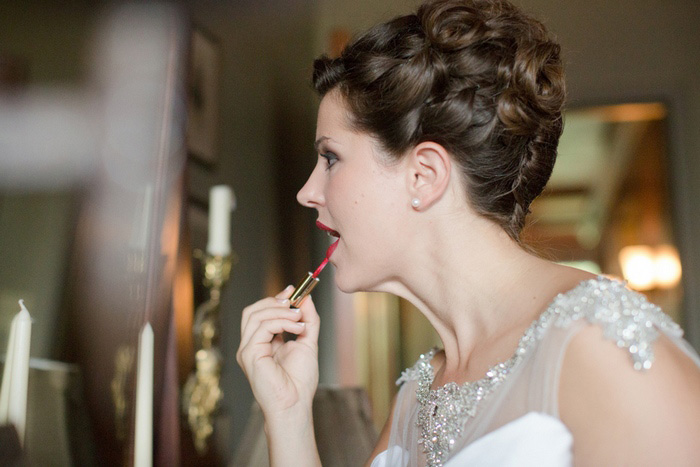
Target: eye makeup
x,y
331,159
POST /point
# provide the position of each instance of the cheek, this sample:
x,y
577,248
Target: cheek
x,y
375,222
365,209
345,197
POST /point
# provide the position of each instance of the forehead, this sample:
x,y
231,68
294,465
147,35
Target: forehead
x,y
334,126
333,115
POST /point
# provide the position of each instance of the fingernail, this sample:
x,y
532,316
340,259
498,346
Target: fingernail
x,y
295,310
289,287
284,292
283,301
301,323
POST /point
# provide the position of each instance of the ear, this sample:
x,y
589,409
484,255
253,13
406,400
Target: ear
x,y
429,170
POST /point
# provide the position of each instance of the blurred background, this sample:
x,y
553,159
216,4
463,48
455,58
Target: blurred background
x,y
116,120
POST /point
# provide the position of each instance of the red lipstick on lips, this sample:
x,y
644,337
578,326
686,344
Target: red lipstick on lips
x,y
309,282
322,226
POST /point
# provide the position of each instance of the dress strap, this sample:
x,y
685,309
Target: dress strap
x,y
413,373
625,316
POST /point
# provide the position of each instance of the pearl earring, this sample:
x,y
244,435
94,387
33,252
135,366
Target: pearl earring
x,y
415,202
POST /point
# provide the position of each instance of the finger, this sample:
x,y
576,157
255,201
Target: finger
x,y
259,345
254,307
265,303
286,293
266,315
270,308
251,310
262,303
310,317
265,331
277,341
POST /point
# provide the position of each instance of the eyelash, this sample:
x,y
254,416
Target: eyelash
x,y
331,159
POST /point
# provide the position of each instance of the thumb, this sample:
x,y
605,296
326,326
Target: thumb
x,y
312,322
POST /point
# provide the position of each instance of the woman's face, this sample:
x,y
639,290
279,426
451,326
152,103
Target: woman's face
x,y
364,200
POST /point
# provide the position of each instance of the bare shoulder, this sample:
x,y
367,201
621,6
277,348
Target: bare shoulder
x,y
622,416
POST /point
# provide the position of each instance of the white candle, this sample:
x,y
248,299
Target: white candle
x,y
7,374
143,444
13,395
221,201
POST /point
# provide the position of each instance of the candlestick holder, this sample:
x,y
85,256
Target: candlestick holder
x,y
202,392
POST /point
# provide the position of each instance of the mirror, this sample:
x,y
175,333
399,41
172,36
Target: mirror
x,y
608,198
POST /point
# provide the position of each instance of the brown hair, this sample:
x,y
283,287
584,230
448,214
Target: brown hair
x,y
479,77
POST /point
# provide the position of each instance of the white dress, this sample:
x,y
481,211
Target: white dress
x,y
510,417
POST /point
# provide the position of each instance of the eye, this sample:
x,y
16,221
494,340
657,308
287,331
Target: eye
x,y
331,159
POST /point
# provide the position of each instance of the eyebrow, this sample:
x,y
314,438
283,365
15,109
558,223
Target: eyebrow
x,y
320,141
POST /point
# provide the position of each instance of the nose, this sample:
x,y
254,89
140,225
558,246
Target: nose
x,y
311,194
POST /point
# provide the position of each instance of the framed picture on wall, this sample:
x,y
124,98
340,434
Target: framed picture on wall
x,y
198,225
203,98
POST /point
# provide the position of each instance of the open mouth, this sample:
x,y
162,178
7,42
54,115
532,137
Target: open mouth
x,y
334,235
331,233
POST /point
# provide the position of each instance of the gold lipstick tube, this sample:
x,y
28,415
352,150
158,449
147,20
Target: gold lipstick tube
x,y
303,289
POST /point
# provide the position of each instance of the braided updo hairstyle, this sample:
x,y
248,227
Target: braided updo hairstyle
x,y
479,77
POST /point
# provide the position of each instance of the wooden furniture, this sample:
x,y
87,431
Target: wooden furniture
x,y
345,435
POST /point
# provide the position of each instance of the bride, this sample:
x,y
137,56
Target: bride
x,y
436,130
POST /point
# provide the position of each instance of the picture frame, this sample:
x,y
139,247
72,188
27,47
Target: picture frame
x,y
203,98
198,225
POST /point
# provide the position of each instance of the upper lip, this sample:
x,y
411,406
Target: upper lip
x,y
322,226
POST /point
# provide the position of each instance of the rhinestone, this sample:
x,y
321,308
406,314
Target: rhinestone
x,y
626,317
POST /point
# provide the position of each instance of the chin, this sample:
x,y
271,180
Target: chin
x,y
354,284
345,286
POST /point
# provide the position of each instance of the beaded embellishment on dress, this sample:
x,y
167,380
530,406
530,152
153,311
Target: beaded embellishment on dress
x,y
626,317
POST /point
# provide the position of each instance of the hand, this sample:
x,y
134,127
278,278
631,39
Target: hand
x,y
283,375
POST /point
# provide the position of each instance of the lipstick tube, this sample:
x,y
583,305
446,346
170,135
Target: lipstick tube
x,y
303,289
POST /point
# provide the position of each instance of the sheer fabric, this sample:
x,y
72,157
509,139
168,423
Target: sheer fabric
x,y
521,413
533,440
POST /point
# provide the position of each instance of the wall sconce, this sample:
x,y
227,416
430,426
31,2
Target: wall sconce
x,y
645,267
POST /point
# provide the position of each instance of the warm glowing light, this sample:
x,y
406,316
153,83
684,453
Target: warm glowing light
x,y
667,266
638,266
646,268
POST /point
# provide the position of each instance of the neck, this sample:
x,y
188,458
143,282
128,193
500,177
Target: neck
x,y
480,291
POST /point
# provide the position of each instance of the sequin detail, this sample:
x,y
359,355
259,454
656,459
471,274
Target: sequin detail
x,y
626,317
